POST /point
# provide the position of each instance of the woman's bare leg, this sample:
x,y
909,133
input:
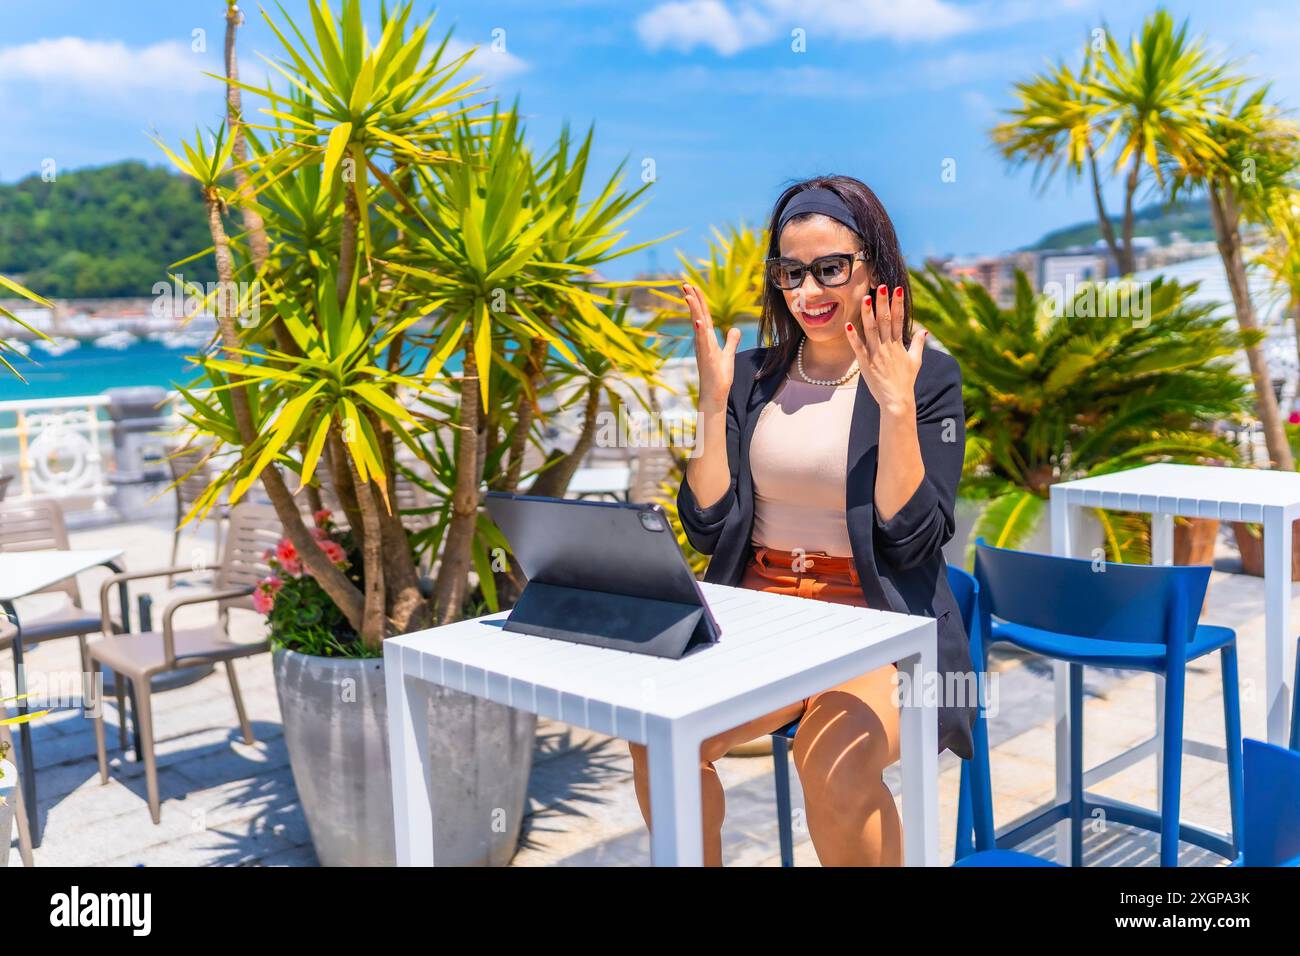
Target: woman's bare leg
x,y
712,802
846,739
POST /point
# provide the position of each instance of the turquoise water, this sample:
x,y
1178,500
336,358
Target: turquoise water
x,y
89,370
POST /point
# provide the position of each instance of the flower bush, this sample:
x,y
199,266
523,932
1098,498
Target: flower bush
x,y
301,614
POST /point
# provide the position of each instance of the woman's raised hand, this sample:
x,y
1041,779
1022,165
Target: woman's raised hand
x,y
888,368
716,363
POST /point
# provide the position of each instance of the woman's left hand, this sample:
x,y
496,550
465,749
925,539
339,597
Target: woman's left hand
x,y
888,368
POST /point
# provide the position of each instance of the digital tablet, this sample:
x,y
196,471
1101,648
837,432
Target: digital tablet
x,y
603,573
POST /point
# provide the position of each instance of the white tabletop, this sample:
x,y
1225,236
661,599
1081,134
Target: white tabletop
x,y
766,638
26,572
1233,494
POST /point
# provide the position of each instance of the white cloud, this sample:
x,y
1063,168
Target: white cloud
x,y
99,66
493,65
729,28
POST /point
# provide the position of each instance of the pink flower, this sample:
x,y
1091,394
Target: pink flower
x,y
1294,418
320,534
334,551
265,592
323,518
287,555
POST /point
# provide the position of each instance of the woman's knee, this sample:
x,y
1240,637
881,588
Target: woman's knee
x,y
841,738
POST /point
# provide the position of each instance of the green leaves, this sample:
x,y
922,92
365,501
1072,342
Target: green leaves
x,y
1120,377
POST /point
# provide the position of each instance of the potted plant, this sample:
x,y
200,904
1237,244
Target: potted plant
x,y
405,281
1122,377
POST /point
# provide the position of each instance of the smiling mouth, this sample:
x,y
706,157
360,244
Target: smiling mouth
x,y
819,315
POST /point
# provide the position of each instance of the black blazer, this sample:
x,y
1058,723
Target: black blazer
x,y
899,561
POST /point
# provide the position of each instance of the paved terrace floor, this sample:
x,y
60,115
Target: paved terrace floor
x,y
227,803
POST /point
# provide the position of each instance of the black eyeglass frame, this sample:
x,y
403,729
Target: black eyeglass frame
x,y
805,268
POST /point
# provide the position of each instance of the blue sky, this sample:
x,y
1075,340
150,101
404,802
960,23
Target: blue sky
x,y
710,90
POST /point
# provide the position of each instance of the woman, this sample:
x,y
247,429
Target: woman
x,y
827,466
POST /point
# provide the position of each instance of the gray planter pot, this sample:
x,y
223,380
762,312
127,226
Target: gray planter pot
x,y
335,718
8,804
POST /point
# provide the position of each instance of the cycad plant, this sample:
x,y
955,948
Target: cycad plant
x,y
1121,377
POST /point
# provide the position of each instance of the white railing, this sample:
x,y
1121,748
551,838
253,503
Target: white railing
x,y
59,447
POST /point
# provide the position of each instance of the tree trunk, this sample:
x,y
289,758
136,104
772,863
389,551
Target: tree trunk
x,y
554,481
258,244
1103,220
1128,262
1227,234
335,583
374,623
457,551
527,411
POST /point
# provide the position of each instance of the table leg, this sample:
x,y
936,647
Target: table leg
x,y
676,835
1065,538
919,749
1162,553
408,748
1277,624
27,770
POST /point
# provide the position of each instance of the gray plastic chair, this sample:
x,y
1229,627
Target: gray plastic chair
x,y
36,524
254,529
20,810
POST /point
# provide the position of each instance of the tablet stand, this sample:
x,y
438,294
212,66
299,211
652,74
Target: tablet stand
x,y
620,621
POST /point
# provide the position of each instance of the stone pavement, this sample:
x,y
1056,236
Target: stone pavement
x,y
227,803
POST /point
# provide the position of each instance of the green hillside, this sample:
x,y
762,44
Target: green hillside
x,y
102,231
1192,219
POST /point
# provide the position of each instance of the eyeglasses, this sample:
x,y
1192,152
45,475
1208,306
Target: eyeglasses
x,y
829,271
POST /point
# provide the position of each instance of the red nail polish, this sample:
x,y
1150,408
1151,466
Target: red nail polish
x,y
883,290
898,291
849,326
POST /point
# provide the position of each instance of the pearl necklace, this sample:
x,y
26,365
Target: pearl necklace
x,y
853,370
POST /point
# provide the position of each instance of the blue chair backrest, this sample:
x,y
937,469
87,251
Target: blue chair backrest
x,y
1272,805
965,589
1140,603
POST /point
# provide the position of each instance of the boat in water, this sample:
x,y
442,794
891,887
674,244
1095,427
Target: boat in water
x,y
59,345
118,341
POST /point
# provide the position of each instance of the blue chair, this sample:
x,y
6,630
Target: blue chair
x,y
976,803
1272,833
1271,836
1295,702
1139,617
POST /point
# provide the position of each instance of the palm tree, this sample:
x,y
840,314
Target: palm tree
x,y
1158,95
1055,127
1280,259
1255,154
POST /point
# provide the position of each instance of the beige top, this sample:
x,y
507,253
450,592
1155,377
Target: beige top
x,y
798,457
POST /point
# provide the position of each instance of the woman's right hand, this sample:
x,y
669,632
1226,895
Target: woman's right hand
x,y
715,364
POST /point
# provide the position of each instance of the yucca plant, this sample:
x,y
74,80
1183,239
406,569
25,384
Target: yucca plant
x,y
730,277
1051,395
6,349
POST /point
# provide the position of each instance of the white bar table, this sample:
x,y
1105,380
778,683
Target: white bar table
x,y
774,649
23,573
1270,498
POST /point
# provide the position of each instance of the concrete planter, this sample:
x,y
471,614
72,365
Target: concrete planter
x,y
335,718
8,806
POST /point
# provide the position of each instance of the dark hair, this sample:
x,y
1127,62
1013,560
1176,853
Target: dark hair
x,y
876,239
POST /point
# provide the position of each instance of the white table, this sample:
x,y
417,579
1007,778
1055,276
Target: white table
x,y
586,482
774,649
23,573
1271,498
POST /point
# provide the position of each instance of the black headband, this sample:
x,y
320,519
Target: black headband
x,y
821,201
